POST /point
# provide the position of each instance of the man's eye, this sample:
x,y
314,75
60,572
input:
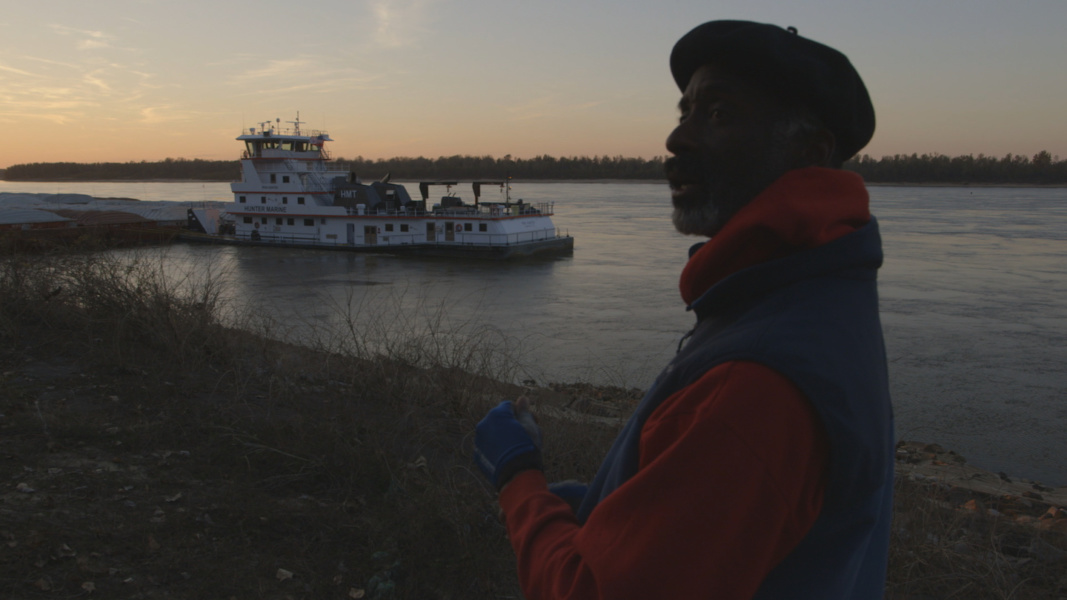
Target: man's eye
x,y
714,113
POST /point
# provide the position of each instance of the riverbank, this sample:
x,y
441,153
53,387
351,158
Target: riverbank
x,y
147,450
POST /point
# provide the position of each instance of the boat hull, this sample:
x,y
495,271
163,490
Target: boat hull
x,y
557,246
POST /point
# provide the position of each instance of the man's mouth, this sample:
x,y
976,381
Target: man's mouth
x,y
683,176
686,189
679,188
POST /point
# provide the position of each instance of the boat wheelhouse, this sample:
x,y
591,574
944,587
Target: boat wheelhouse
x,y
288,196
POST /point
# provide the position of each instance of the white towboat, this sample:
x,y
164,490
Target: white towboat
x,y
288,196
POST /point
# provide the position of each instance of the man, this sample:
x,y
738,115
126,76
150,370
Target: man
x,y
760,462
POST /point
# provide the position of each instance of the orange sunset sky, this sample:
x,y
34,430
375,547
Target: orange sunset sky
x,y
130,80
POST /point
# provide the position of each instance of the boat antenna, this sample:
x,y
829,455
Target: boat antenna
x,y
296,124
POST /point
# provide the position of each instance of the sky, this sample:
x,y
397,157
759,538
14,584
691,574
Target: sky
x,y
132,80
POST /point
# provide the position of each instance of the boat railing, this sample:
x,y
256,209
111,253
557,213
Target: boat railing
x,y
310,133
506,240
461,239
482,211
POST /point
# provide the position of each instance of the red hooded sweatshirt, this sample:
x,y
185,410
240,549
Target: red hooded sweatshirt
x,y
732,468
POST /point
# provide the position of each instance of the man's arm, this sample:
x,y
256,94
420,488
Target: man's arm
x,y
731,478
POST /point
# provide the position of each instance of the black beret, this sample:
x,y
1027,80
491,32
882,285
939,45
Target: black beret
x,y
796,70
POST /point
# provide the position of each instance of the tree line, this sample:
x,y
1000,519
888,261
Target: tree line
x,y
1041,169
170,168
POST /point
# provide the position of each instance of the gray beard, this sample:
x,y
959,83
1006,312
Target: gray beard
x,y
705,219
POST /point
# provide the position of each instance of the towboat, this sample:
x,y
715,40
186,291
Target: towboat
x,y
289,196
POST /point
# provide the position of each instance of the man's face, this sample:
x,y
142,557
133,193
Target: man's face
x,y
730,144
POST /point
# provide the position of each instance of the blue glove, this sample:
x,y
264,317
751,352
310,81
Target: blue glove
x,y
506,443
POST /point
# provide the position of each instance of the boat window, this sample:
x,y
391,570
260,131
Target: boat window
x,y
388,226
285,179
251,148
290,221
322,221
299,199
242,200
248,219
309,222
263,220
482,227
467,227
273,178
278,221
404,227
285,200
262,199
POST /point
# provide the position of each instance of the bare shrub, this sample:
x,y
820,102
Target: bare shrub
x,y
115,304
945,544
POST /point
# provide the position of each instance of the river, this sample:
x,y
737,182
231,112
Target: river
x,y
972,296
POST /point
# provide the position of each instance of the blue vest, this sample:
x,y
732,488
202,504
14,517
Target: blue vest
x,y
813,317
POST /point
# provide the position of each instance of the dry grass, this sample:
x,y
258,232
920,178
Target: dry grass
x,y
169,454
155,443
949,543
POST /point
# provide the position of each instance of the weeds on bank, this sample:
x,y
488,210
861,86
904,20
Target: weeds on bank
x,y
945,544
110,307
177,445
345,464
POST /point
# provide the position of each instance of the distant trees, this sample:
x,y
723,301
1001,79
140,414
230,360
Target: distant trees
x,y
1041,169
445,167
171,168
487,167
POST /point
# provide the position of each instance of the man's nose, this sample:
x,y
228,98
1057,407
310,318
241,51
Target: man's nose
x,y
682,139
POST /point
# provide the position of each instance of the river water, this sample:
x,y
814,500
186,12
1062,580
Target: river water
x,y
972,294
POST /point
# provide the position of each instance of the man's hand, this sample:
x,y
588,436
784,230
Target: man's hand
x,y
507,441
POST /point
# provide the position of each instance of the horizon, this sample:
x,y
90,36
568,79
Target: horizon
x,y
1055,158
127,80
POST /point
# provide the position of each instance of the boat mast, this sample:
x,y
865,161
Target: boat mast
x,y
296,123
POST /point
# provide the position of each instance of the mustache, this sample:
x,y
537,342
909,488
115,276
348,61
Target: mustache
x,y
685,167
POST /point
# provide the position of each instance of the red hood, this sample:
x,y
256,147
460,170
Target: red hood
x,y
803,209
